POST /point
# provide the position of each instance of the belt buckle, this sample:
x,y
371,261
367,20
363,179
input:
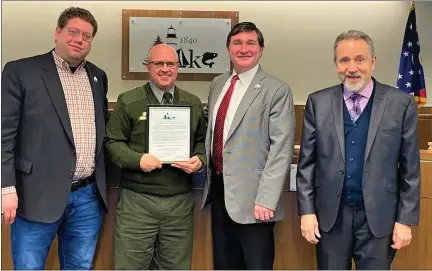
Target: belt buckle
x,y
75,185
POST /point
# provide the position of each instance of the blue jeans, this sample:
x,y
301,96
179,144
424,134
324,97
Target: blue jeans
x,y
77,230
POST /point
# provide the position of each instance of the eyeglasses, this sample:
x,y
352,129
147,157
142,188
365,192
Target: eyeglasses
x,y
73,32
160,64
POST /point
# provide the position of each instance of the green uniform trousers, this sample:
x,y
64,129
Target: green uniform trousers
x,y
153,232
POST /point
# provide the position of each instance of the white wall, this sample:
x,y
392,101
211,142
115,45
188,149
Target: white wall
x,y
299,36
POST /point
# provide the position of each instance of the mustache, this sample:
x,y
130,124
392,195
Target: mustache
x,y
161,73
353,74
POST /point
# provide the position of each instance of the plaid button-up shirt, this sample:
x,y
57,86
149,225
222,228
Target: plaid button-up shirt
x,y
80,105
79,100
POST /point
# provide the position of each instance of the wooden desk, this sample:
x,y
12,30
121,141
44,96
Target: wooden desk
x,y
292,252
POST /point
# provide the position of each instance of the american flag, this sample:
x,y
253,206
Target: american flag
x,y
411,77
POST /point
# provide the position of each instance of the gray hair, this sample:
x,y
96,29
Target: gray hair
x,y
354,35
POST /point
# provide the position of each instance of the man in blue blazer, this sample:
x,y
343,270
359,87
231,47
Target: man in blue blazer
x,y
53,125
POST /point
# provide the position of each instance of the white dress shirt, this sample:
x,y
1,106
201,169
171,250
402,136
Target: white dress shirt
x,y
159,92
239,91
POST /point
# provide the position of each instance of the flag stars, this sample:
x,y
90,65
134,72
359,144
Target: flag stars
x,y
410,76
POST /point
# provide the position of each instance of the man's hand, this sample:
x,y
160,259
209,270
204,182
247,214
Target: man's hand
x,y
263,213
309,228
149,162
9,206
191,166
401,236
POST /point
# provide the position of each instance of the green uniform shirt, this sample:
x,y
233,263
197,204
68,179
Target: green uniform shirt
x,y
126,142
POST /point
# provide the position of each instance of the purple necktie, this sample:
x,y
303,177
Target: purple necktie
x,y
355,111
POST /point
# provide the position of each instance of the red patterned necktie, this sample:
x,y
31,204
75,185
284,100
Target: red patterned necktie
x,y
217,156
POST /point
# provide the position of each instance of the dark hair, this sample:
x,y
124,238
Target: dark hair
x,y
245,27
76,12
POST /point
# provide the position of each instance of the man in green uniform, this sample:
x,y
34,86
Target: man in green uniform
x,y
154,214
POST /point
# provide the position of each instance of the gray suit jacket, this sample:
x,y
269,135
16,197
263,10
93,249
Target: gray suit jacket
x,y
259,147
391,172
38,151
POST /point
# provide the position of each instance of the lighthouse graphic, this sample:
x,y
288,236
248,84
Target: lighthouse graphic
x,y
172,40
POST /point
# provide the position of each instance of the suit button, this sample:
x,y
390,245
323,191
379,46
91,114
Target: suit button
x,y
341,172
338,194
70,174
351,159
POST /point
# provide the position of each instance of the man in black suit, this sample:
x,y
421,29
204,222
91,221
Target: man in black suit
x,y
53,125
358,177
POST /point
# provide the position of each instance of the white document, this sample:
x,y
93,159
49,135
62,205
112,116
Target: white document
x,y
169,133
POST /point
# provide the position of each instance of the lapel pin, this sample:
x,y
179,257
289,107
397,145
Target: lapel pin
x,y
95,79
144,116
257,86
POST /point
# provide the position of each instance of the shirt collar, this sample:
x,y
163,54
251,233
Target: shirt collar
x,y
246,77
159,92
63,64
366,92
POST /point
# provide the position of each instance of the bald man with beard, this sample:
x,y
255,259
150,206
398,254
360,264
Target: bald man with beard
x,y
154,213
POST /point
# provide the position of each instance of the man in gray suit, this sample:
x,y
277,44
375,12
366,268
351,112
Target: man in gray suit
x,y
250,139
358,178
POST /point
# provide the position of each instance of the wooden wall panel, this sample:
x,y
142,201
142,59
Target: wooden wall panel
x,y
424,124
6,259
426,175
292,252
419,254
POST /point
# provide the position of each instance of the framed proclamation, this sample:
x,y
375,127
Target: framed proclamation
x,y
169,132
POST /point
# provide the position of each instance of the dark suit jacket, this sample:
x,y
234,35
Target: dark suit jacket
x,y
391,173
38,154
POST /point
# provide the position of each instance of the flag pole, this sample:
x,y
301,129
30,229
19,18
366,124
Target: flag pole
x,y
412,3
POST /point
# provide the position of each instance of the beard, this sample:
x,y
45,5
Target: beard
x,y
353,87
